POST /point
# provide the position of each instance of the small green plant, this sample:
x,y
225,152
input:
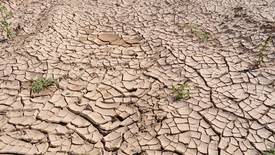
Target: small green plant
x,y
201,34
6,26
270,151
262,49
180,92
41,84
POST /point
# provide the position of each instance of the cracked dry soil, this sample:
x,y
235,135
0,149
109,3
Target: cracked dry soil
x,y
115,63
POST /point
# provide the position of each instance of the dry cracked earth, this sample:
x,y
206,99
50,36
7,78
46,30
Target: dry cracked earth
x,y
115,63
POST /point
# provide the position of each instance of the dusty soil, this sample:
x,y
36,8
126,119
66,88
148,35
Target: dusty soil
x,y
115,63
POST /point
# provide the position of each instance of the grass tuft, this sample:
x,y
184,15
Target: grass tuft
x,y
199,33
263,49
4,24
270,151
180,92
41,84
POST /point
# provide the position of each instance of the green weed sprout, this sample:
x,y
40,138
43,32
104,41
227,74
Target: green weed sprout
x,y
195,30
6,26
270,151
262,49
41,84
180,92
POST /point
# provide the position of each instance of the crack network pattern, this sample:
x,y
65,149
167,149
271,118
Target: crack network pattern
x,y
115,63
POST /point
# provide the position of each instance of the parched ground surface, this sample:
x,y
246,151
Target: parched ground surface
x,y
115,63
